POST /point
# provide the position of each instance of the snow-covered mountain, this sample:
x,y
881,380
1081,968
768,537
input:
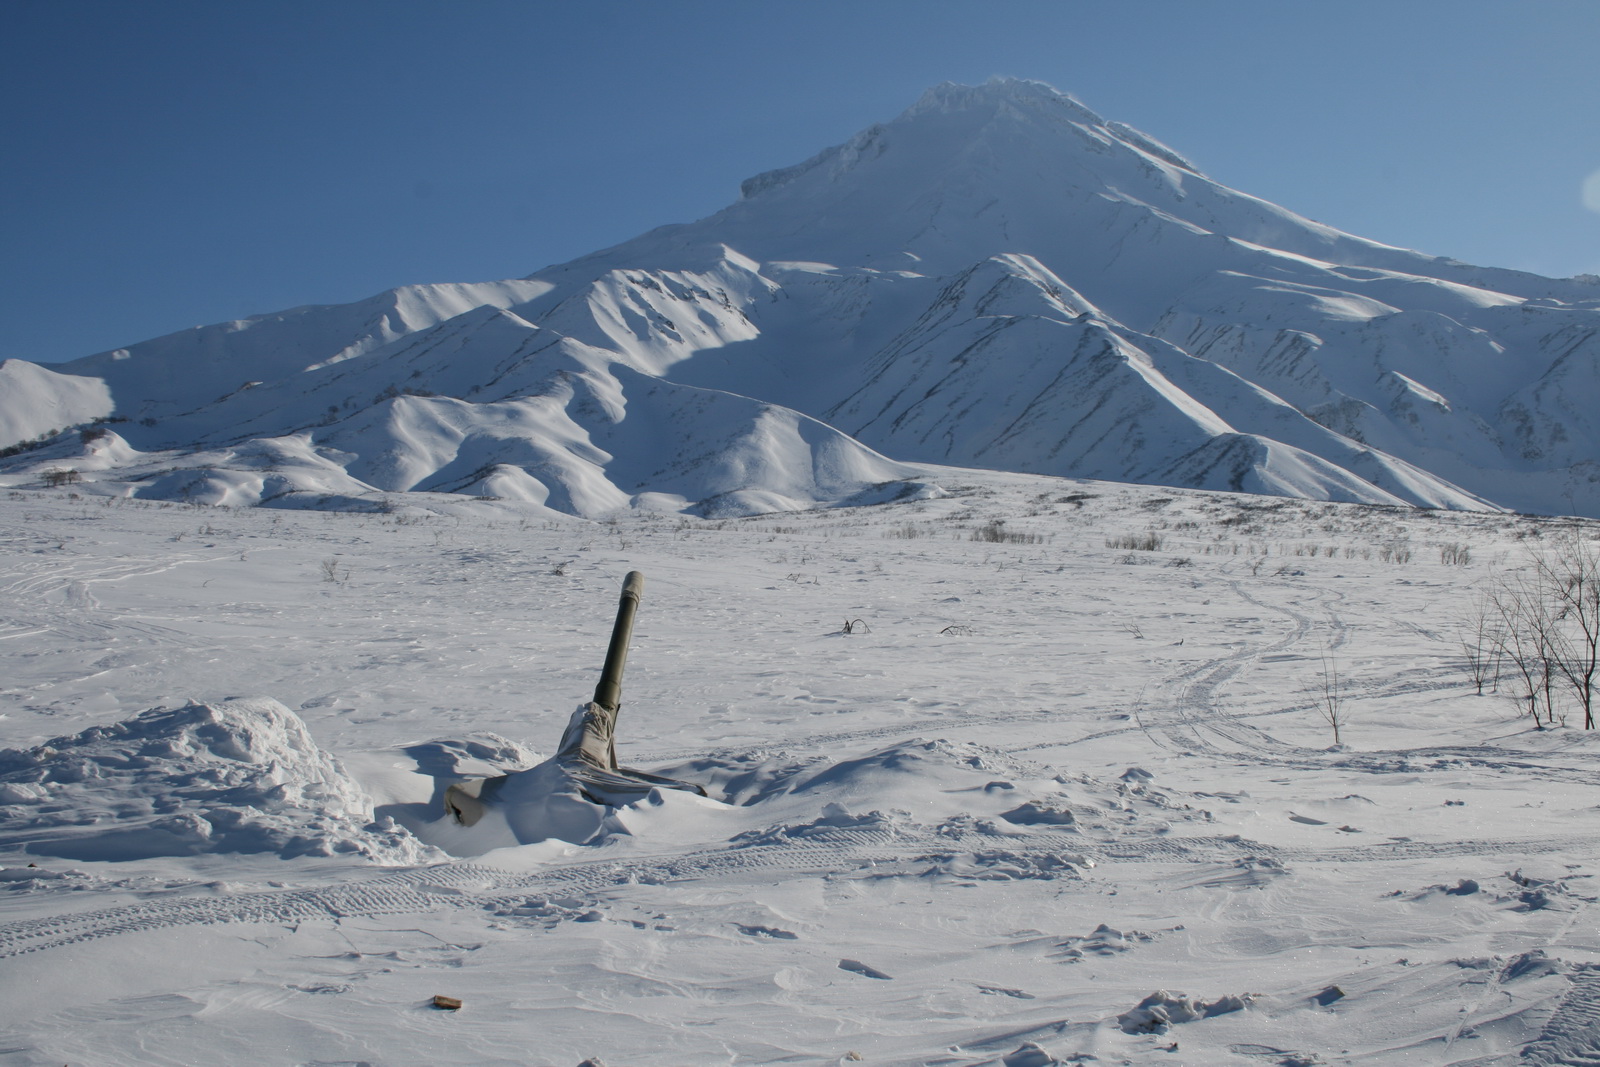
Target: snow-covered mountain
x,y
998,278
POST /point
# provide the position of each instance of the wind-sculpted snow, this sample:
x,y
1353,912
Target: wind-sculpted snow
x,y
998,278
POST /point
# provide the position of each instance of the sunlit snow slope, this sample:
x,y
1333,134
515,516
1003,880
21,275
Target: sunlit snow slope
x,y
998,278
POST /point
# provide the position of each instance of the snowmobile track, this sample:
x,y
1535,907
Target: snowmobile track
x,y
1194,719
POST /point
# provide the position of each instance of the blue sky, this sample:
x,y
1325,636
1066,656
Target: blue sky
x,y
167,163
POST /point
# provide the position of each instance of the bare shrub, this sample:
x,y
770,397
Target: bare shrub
x,y
1545,626
1570,574
1396,552
1149,541
996,533
59,476
1524,624
1331,706
1455,555
1481,643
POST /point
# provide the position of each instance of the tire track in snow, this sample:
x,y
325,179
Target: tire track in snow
x,y
847,852
468,886
1571,1036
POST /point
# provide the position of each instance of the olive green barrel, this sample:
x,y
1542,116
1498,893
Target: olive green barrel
x,y
608,693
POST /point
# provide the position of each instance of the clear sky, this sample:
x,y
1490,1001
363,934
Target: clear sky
x,y
168,163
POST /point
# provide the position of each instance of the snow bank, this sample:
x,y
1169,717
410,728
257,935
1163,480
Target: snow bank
x,y
236,776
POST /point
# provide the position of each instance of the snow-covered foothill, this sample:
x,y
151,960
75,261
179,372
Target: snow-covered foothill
x,y
41,401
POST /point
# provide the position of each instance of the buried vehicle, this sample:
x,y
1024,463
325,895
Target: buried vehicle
x,y
566,795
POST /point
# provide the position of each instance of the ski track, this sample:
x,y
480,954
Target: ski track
x,y
50,595
1195,719
30,590
1184,725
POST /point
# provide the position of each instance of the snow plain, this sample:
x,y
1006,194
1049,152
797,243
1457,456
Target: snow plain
x,y
1048,801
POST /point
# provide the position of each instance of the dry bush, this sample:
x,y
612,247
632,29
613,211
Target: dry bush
x,y
1544,626
59,476
995,533
1149,541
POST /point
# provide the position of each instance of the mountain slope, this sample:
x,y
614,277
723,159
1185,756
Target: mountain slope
x,y
997,278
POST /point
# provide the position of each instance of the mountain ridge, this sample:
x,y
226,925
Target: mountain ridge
x,y
998,277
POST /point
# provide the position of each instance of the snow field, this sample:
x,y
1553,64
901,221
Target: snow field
x,y
1049,790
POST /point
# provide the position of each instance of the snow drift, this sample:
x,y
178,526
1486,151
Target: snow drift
x,y
235,776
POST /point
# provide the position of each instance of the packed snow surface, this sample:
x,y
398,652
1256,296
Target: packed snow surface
x,y
1026,771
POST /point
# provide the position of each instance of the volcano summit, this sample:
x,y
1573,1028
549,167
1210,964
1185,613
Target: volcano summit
x,y
997,278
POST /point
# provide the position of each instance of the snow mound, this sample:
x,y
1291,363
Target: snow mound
x,y
238,776
929,789
1005,865
907,773
1155,1013
483,754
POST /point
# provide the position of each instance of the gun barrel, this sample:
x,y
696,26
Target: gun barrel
x,y
608,693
